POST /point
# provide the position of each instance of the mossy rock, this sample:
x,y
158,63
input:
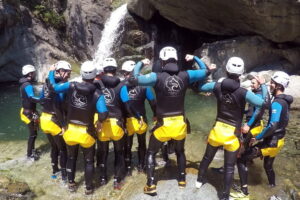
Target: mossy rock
x,y
18,188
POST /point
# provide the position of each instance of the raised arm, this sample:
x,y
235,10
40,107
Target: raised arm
x,y
61,87
207,87
144,80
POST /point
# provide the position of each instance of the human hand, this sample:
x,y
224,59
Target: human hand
x,y
53,67
261,79
146,61
212,67
245,129
189,57
98,126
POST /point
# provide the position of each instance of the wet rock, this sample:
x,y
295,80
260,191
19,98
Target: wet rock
x,y
257,53
136,38
27,38
18,188
170,190
275,20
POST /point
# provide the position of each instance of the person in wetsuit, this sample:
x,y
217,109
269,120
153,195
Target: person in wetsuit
x,y
28,111
231,101
271,138
254,121
84,100
170,87
52,120
117,100
137,96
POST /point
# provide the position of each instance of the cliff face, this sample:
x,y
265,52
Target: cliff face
x,y
278,21
40,32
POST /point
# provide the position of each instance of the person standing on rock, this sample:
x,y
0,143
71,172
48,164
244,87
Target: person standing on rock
x,y
28,111
116,98
137,96
52,119
271,137
84,100
231,101
170,87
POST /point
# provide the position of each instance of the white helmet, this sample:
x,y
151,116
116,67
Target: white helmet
x,y
128,65
63,65
88,70
26,69
109,62
235,65
281,78
167,53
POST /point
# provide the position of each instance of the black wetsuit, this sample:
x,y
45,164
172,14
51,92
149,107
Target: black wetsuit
x,y
82,98
138,95
111,92
52,104
170,89
230,109
29,110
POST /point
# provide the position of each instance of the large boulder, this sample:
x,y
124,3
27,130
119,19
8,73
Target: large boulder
x,y
257,53
277,21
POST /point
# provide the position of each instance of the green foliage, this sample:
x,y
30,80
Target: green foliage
x,y
50,17
117,3
42,9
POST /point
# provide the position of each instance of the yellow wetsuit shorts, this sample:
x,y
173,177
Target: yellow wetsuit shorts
x,y
133,126
77,134
172,128
222,134
273,151
24,118
257,129
110,130
48,126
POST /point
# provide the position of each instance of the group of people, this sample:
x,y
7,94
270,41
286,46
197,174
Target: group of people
x,y
103,108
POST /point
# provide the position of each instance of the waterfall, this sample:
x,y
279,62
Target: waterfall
x,y
113,28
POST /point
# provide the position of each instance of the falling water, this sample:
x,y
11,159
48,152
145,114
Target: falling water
x,y
113,28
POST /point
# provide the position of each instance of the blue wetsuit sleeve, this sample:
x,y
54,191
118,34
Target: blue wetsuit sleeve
x,y
149,94
200,74
196,75
61,87
200,62
264,90
254,115
275,117
100,105
30,93
124,94
207,87
144,80
253,99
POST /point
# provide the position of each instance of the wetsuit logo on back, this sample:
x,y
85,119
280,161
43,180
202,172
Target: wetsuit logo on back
x,y
133,93
79,100
173,84
109,96
227,99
